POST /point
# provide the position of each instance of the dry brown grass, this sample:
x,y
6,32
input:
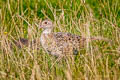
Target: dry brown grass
x,y
100,59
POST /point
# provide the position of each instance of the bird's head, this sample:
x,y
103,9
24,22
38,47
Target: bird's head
x,y
46,24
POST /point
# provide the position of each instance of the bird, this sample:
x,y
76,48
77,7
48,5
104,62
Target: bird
x,y
59,43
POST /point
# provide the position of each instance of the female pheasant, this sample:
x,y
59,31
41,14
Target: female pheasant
x,y
59,43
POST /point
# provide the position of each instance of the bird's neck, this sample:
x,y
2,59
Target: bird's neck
x,y
47,31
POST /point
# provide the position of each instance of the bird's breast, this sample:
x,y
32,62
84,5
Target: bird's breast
x,y
46,39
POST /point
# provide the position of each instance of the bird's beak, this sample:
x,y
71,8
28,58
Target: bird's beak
x,y
40,26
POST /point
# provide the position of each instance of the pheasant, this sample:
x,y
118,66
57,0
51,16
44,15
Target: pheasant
x,y
58,43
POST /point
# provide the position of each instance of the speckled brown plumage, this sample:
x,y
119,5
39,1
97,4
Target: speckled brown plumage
x,y
65,43
60,43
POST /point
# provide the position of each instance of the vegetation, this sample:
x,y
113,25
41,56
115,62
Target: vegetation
x,y
99,61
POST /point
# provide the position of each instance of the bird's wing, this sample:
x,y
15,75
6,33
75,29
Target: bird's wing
x,y
68,38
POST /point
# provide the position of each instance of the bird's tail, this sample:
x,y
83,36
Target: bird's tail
x,y
99,38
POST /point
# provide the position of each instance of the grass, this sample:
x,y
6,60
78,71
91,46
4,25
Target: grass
x,y
100,60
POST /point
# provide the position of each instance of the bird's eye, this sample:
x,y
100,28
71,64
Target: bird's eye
x,y
45,22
